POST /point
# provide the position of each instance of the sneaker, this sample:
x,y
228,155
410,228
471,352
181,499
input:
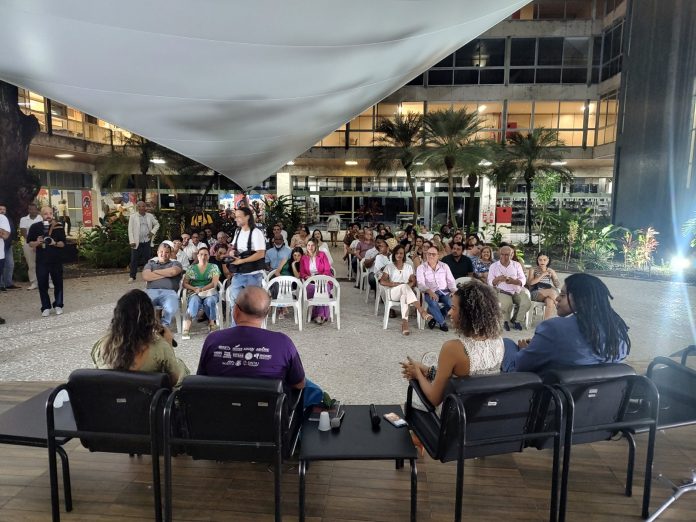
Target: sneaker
x,y
506,326
13,287
444,327
2,321
185,335
32,287
131,279
46,312
517,326
59,310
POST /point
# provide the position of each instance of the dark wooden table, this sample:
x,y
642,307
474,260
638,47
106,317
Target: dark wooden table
x,y
356,440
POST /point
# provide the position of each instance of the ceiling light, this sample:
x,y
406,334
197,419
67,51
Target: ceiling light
x,y
158,161
352,163
559,163
482,108
418,163
291,163
485,163
65,156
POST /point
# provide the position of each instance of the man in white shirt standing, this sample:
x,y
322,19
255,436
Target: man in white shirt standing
x,y
507,276
29,253
4,234
142,227
249,256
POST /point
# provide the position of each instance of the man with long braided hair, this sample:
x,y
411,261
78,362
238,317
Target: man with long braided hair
x,y
587,331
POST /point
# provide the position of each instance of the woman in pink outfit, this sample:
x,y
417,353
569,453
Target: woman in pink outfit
x,y
315,262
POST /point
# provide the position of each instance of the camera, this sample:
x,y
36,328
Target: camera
x,y
48,241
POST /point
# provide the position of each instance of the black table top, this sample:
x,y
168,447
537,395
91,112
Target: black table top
x,y
356,440
25,423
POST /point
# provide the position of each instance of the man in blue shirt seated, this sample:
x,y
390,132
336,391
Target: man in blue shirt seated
x,y
278,254
588,331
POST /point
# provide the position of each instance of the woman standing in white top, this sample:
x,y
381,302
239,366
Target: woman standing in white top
x,y
323,247
399,278
476,313
333,225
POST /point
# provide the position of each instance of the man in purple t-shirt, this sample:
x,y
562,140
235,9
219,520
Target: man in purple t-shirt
x,y
247,350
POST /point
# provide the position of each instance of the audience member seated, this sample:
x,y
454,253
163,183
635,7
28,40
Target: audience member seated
x,y
247,350
479,351
364,245
322,245
437,284
192,247
437,243
278,255
507,276
300,238
137,342
200,283
472,246
222,240
543,284
483,263
163,277
399,280
315,263
351,235
408,238
587,331
296,257
381,260
459,264
415,254
179,254
220,260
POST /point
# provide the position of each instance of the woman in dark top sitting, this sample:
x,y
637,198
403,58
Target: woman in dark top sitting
x,y
587,331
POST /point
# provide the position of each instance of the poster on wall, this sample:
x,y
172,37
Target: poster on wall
x,y
87,208
42,198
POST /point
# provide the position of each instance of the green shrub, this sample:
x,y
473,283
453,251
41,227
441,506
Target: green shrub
x,y
106,246
21,270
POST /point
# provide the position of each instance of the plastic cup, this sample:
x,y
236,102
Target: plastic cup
x,y
324,422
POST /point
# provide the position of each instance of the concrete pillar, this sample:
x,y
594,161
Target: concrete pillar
x,y
283,184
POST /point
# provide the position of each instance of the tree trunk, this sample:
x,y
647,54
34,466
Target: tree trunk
x,y
17,129
145,158
414,197
528,191
450,198
472,179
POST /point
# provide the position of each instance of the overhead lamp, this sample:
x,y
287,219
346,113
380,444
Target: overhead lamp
x,y
291,163
65,156
158,161
559,163
485,163
482,108
352,163
418,163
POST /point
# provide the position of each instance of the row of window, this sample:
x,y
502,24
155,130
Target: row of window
x,y
566,9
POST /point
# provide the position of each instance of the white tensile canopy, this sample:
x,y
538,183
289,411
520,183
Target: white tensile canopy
x,y
240,86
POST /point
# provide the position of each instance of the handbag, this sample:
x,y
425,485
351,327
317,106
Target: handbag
x,y
255,266
542,286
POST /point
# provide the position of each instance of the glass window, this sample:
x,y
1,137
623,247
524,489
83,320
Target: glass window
x,y
521,75
546,114
412,107
439,77
466,77
387,109
575,75
549,10
439,106
446,62
578,10
522,51
58,109
492,76
418,80
550,51
548,76
519,115
575,51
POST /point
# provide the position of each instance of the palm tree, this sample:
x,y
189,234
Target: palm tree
x,y
401,137
527,156
450,142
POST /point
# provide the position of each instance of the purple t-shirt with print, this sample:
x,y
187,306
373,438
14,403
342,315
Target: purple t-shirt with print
x,y
245,351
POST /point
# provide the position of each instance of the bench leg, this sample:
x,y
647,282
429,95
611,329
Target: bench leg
x,y
414,490
66,477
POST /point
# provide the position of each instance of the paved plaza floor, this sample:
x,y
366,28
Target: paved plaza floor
x,y
358,364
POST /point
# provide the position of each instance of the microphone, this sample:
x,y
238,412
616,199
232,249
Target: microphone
x,y
374,418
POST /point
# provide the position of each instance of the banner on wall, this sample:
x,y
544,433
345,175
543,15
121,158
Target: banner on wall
x,y
87,208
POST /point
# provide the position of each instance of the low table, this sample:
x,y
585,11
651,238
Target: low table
x,y
25,425
357,441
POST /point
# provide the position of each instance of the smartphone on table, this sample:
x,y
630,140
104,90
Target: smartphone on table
x,y
395,420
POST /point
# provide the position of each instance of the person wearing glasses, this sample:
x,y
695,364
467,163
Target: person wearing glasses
x,y
436,282
507,276
587,331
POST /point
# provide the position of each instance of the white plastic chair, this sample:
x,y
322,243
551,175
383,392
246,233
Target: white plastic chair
x,y
462,281
350,267
327,292
383,295
287,296
362,275
220,320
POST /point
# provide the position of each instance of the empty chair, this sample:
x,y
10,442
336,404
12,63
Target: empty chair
x,y
289,295
115,412
231,419
486,415
327,292
596,402
676,384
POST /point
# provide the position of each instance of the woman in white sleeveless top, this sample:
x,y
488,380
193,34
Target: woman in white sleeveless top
x,y
479,349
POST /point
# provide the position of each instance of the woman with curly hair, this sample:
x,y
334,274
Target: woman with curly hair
x,y
137,342
475,314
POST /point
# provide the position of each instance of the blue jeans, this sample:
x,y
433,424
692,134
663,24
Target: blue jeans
x,y
444,301
208,304
240,281
511,350
168,300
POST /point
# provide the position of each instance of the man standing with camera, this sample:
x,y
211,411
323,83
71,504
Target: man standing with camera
x,y
47,237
